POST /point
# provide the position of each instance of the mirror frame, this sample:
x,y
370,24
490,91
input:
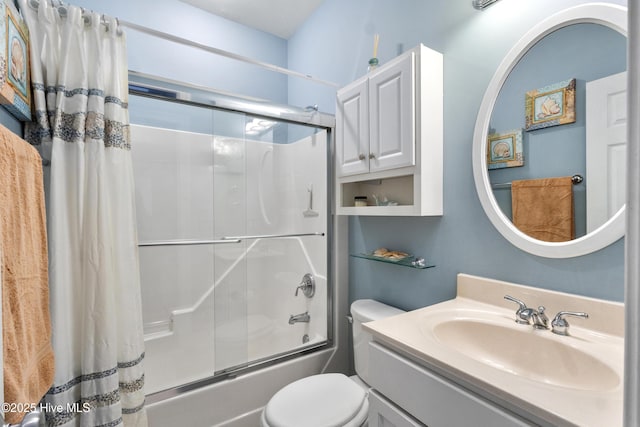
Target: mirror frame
x,y
609,15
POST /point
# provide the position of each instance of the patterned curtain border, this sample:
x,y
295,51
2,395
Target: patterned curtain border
x,y
75,127
59,416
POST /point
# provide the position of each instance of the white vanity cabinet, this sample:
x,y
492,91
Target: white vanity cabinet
x,y
414,396
389,136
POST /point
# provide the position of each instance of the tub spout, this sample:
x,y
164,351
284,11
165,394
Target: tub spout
x,y
296,318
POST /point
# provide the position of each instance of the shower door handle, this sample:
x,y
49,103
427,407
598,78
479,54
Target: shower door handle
x,y
224,240
272,236
189,242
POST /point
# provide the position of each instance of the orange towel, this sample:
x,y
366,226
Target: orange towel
x,y
543,208
28,355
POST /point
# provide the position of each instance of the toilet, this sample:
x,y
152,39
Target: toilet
x,y
331,400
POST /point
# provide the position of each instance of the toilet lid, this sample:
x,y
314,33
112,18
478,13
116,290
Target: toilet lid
x,y
326,400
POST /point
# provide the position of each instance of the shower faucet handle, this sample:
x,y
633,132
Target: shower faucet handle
x,y
308,285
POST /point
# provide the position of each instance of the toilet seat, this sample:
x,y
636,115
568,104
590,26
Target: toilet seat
x,y
326,400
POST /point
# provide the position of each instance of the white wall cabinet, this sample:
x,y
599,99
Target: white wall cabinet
x,y
415,394
376,117
389,137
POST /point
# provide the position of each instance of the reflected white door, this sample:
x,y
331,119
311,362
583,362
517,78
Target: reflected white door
x,y
606,127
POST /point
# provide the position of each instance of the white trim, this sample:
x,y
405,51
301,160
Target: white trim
x,y
612,16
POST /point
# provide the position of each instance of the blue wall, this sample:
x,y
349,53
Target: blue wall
x,y
152,55
10,122
155,56
336,44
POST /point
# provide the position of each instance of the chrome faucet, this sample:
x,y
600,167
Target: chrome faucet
x,y
297,318
539,319
530,316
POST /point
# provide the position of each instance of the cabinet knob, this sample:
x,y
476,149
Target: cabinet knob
x,y
372,156
361,157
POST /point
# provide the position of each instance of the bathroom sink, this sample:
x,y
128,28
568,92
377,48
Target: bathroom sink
x,y
525,352
550,379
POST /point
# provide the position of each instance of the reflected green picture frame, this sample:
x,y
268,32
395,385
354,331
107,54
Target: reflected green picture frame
x,y
504,150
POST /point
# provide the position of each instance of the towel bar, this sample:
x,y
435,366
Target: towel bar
x,y
576,179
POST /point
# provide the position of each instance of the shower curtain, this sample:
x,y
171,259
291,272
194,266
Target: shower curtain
x,y
80,83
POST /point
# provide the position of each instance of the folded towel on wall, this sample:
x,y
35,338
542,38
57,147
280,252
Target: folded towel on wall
x,y
26,324
543,208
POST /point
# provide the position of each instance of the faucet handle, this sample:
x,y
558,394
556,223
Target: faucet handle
x,y
522,316
559,324
308,285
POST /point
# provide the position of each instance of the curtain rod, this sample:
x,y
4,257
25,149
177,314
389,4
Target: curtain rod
x,y
62,12
210,49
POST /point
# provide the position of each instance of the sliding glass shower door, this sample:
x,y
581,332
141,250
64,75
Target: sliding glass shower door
x,y
232,217
264,188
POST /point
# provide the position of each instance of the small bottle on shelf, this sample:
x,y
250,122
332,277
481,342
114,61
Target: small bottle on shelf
x,y
359,201
373,64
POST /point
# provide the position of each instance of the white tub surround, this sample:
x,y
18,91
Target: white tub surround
x,y
535,375
225,243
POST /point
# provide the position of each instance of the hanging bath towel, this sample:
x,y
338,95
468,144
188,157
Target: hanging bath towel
x,y
26,332
543,208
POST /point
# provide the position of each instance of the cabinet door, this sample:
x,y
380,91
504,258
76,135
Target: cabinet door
x,y
430,398
392,115
383,413
352,129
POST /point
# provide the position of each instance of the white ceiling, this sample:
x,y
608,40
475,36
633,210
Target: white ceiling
x,y
279,17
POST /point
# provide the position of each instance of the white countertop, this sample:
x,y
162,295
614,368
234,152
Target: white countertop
x,y
554,387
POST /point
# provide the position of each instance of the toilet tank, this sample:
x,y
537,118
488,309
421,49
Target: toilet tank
x,y
362,311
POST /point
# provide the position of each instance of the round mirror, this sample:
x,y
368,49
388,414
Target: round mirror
x,y
562,87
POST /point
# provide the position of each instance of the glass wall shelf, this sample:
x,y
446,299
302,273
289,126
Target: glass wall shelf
x,y
410,261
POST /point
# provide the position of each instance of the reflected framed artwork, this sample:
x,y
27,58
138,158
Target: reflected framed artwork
x,y
551,105
504,150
